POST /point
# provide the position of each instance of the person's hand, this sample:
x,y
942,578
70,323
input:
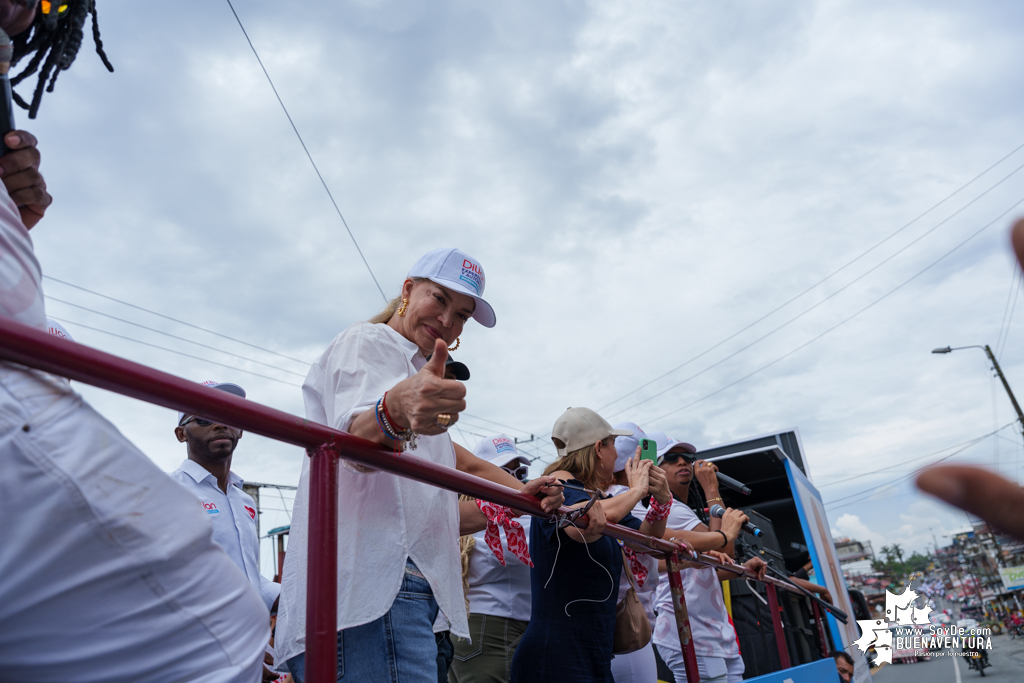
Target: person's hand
x,y
998,501
551,496
658,485
596,523
758,566
719,557
638,473
732,523
704,472
19,169
826,596
416,402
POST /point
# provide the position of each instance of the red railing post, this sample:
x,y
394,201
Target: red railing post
x,y
675,582
819,622
322,567
780,636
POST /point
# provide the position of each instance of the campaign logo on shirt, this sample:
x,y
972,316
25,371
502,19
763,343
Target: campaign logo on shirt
x,y
503,445
252,513
210,508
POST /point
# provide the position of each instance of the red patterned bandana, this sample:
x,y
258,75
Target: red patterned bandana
x,y
639,570
500,516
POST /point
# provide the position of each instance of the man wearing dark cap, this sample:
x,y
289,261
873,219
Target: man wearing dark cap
x,y
206,474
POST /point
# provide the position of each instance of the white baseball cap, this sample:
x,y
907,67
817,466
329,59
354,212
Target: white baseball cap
x,y
625,446
671,443
57,330
499,450
223,386
580,427
458,271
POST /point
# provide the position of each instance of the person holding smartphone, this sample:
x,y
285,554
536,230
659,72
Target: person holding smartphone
x,y
575,578
640,666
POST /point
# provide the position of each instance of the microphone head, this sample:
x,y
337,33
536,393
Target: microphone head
x,y
6,52
717,510
758,532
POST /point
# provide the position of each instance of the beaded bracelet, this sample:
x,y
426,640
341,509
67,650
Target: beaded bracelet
x,y
386,423
658,511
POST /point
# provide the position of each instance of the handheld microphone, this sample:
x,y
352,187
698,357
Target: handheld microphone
x,y
733,484
717,511
6,101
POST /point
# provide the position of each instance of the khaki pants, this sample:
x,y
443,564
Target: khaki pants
x,y
488,659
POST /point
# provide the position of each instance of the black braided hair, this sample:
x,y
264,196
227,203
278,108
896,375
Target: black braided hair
x,y
54,50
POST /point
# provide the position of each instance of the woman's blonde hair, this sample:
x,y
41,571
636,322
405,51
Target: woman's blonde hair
x,y
392,306
582,463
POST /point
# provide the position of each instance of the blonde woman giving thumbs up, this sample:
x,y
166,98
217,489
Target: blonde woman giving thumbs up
x,y
399,573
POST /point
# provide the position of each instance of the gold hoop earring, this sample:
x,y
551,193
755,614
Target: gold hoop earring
x,y
405,303
458,341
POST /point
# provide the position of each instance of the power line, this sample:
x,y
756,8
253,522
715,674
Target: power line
x,y
1016,291
164,348
969,442
484,419
174,336
860,494
1006,306
180,322
848,319
306,150
837,271
823,301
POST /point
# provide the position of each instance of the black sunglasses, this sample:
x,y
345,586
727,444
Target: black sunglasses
x,y
198,420
673,457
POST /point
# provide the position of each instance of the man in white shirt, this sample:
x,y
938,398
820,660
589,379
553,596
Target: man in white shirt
x,y
206,474
109,571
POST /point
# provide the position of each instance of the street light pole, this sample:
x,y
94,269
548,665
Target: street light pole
x,y
999,371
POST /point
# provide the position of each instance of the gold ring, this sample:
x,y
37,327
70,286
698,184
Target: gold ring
x,y
444,420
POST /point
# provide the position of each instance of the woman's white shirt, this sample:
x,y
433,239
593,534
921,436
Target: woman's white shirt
x,y
382,518
646,592
495,590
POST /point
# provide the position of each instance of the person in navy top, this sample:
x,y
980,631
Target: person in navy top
x,y
575,577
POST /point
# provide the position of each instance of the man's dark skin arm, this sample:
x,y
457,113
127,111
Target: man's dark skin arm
x,y
19,169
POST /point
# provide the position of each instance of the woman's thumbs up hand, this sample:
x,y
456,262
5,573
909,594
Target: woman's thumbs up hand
x,y
415,403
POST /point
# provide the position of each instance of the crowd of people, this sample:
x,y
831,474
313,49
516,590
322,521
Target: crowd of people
x,y
114,571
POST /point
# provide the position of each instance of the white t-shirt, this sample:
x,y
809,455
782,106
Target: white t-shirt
x,y
645,593
713,635
21,288
495,590
382,518
233,515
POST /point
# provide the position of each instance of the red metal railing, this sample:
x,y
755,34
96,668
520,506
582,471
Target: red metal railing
x,y
37,349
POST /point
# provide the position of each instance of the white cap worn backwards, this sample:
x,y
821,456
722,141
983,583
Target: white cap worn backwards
x,y
625,446
458,271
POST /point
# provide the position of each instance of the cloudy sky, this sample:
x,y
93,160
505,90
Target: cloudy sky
x,y
666,198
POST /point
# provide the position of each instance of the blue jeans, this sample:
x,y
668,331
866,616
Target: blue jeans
x,y
399,646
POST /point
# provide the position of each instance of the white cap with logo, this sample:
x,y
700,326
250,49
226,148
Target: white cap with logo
x,y
57,330
625,446
581,427
458,271
499,450
223,386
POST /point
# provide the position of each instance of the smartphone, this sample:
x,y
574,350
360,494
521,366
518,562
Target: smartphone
x,y
649,450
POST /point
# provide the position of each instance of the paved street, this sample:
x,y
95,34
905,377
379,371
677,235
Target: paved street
x,y
1007,657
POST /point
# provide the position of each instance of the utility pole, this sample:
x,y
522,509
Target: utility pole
x,y
999,371
1006,385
